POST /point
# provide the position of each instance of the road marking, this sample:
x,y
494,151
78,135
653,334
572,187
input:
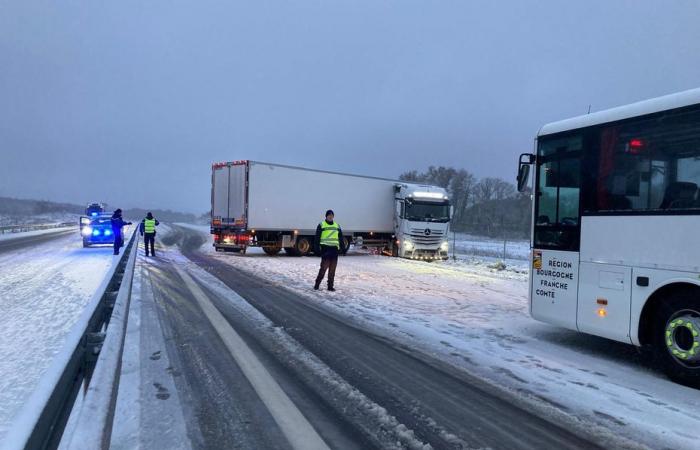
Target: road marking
x,y
298,431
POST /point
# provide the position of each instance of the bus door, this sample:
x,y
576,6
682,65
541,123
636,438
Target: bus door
x,y
555,257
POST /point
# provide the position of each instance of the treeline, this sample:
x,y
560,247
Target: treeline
x,y
487,206
15,207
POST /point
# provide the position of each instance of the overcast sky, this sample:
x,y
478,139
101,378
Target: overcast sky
x,y
130,102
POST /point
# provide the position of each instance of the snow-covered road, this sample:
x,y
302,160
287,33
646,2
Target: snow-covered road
x,y
44,286
477,318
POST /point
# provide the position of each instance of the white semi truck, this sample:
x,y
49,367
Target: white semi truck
x,y
255,204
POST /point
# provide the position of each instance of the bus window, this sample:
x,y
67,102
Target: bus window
x,y
648,165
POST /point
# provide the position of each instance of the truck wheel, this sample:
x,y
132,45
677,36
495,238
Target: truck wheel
x,y
303,246
272,251
291,251
676,342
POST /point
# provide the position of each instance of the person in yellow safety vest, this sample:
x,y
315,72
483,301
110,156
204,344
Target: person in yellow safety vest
x,y
328,244
148,231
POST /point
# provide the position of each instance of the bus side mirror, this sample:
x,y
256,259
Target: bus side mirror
x,y
526,159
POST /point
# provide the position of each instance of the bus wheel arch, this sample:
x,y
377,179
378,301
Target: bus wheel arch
x,y
670,325
654,303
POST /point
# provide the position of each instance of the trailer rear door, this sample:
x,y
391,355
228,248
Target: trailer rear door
x,y
229,193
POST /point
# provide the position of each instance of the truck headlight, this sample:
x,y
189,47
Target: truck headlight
x,y
87,231
408,245
445,246
84,221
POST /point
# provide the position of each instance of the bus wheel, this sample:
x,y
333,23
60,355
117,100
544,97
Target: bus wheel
x,y
303,246
677,337
273,250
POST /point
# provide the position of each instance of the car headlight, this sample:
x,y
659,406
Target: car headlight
x,y
87,231
445,246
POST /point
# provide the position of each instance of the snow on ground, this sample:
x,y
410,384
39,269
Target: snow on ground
x,y
467,244
476,317
43,290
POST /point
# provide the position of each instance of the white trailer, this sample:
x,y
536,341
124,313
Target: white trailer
x,y
278,207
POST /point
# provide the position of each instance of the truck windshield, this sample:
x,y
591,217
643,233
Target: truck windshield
x,y
427,212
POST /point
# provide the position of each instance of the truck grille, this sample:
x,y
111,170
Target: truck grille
x,y
418,236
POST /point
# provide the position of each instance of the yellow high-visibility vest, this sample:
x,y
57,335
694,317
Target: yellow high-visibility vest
x,y
149,225
329,234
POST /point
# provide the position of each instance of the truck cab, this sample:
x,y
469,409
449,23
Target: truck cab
x,y
422,222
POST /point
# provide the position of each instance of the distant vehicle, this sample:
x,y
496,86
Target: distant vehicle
x,y
96,229
616,227
278,207
94,209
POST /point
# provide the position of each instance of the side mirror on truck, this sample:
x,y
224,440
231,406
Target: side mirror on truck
x,y
526,159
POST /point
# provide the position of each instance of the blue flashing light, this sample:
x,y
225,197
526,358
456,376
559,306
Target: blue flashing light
x,y
95,232
93,214
108,232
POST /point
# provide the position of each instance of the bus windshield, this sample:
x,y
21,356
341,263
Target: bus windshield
x,y
558,186
427,212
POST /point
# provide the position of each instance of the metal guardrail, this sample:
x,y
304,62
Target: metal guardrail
x,y
99,331
34,227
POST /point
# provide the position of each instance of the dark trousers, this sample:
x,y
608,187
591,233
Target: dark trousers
x,y
150,238
117,243
329,261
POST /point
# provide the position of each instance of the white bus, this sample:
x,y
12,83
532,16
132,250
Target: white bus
x,y
616,227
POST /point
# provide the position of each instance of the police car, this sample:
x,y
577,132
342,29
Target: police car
x,y
96,229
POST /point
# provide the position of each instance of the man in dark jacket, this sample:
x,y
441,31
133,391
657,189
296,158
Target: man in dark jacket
x,y
148,231
117,225
329,243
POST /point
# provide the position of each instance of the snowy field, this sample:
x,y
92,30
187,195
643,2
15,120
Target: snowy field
x,y
43,290
476,317
470,245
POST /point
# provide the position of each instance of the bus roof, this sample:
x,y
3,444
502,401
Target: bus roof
x,y
666,102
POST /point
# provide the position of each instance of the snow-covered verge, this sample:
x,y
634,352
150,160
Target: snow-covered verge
x,y
43,290
477,318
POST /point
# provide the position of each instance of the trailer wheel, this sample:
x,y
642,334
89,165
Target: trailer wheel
x,y
272,250
303,246
291,251
676,340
